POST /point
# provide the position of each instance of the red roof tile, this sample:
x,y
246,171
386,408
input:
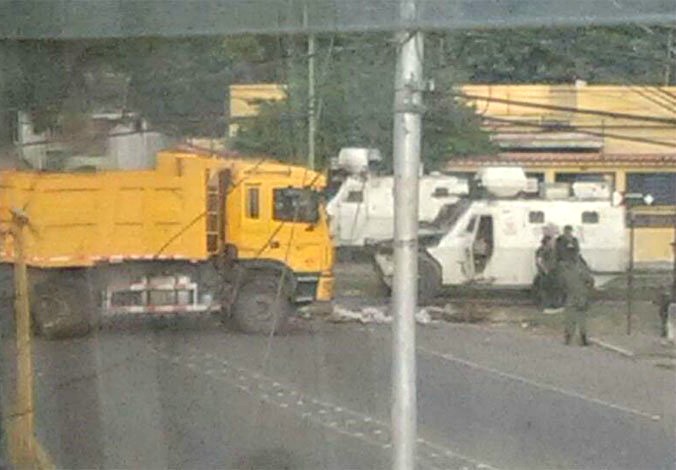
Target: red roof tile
x,y
565,159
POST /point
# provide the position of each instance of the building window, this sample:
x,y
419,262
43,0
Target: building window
x,y
590,217
661,186
440,192
253,203
536,217
540,177
571,178
654,220
355,196
462,175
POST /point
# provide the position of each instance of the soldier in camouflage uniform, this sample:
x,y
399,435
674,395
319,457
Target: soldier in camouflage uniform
x,y
546,284
576,280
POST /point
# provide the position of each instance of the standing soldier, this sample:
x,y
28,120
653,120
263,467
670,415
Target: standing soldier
x,y
576,281
545,282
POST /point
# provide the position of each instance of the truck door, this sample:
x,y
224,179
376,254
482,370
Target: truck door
x,y
263,237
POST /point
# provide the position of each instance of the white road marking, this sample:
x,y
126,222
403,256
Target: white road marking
x,y
611,347
341,420
541,385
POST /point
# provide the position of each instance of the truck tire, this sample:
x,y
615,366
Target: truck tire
x,y
429,279
61,309
7,324
258,309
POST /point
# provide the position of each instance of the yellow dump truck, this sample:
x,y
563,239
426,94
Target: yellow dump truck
x,y
247,238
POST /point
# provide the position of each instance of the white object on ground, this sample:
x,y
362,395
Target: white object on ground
x,y
378,315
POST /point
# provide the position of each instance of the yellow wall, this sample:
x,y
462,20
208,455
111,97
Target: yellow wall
x,y
245,100
637,100
653,245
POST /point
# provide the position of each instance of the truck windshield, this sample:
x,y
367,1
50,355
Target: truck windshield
x,y
296,205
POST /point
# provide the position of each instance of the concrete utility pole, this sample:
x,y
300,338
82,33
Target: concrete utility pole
x,y
311,119
407,135
667,63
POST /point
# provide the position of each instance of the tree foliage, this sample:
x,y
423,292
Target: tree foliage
x,y
354,104
603,55
181,85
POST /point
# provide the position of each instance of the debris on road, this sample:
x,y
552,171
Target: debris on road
x,y
378,315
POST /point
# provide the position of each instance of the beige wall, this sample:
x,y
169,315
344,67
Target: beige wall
x,y
637,100
245,100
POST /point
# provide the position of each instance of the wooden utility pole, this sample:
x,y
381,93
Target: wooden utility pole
x,y
668,65
22,435
24,450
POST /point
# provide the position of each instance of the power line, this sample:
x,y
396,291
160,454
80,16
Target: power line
x,y
567,109
644,140
667,106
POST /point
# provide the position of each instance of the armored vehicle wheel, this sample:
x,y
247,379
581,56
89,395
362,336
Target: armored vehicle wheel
x,y
429,279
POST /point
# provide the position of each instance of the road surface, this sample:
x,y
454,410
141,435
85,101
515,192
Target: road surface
x,y
188,394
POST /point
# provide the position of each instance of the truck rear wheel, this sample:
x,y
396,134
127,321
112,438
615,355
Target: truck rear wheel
x,y
7,324
61,309
260,307
429,279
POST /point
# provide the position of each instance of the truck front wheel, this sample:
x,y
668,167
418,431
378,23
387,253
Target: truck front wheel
x,y
61,309
260,306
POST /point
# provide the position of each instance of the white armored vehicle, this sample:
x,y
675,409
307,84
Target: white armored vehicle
x,y
490,240
362,210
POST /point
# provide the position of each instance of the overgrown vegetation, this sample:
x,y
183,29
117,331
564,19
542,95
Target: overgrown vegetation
x,y
181,85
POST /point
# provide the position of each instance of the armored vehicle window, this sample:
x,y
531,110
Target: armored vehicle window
x,y
590,217
536,217
470,225
355,196
440,192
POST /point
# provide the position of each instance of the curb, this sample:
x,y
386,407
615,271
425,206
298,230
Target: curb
x,y
611,347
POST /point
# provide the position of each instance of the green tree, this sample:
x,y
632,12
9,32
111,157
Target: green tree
x,y
354,98
181,84
608,55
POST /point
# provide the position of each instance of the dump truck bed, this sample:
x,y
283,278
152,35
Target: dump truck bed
x,y
79,219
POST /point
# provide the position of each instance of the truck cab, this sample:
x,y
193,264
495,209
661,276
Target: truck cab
x,y
275,214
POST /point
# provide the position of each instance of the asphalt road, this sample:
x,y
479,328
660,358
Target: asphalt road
x,y
189,394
